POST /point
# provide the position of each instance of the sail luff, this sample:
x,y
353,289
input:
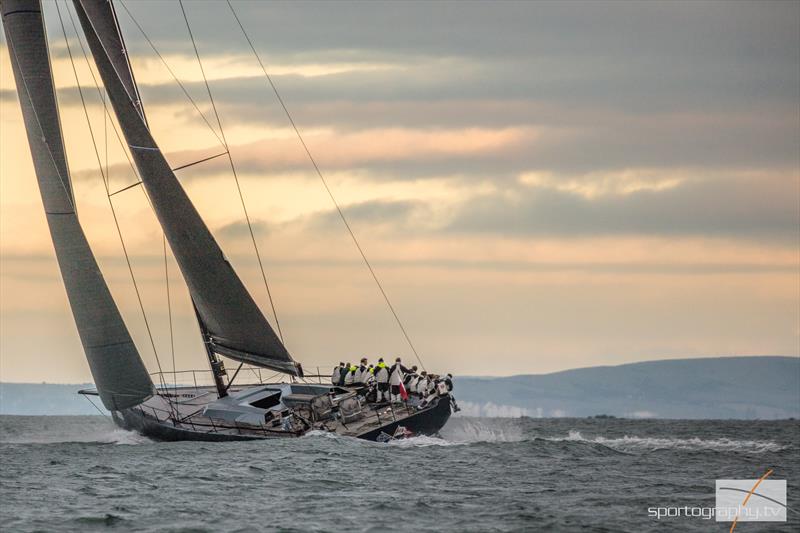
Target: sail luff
x,y
235,324
104,19
120,375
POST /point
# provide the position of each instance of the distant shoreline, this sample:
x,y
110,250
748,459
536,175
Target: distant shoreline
x,y
710,388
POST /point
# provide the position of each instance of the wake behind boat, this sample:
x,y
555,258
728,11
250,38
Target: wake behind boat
x,y
229,321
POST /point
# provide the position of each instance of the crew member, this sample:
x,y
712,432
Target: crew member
x,y
410,381
350,375
431,384
448,380
422,384
382,379
362,369
336,375
396,374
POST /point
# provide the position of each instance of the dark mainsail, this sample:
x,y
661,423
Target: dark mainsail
x,y
235,325
118,371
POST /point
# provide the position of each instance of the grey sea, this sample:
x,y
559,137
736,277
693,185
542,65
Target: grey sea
x,y
482,474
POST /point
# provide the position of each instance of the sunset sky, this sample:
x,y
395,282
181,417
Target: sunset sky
x,y
540,186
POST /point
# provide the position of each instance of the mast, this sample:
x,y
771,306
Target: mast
x,y
234,325
217,366
119,374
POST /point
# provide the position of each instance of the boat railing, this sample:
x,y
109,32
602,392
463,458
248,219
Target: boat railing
x,y
202,378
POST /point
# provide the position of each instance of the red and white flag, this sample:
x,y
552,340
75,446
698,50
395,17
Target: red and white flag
x,y
403,392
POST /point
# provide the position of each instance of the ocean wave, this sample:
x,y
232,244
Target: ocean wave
x,y
645,444
417,441
65,430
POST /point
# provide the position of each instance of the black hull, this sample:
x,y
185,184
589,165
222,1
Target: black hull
x,y
135,420
426,422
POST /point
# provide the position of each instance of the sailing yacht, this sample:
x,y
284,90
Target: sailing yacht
x,y
230,322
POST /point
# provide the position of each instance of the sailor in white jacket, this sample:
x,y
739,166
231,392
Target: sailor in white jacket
x,y
410,381
382,379
336,375
350,375
362,369
422,384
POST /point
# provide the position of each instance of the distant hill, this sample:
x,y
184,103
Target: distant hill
x,y
723,387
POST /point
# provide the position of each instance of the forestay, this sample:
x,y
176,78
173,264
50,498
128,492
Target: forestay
x,y
118,371
236,326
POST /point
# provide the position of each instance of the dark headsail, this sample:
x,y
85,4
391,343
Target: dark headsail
x,y
236,326
119,374
104,20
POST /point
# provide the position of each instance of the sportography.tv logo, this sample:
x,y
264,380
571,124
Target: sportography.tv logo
x,y
737,500
751,500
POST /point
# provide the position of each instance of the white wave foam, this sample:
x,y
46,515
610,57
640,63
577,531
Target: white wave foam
x,y
122,436
634,444
463,430
422,441
491,410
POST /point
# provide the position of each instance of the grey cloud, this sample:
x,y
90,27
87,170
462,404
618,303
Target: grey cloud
x,y
480,28
240,230
367,215
760,209
630,57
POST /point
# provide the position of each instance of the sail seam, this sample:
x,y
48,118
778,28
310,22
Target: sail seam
x,y
21,11
144,148
107,345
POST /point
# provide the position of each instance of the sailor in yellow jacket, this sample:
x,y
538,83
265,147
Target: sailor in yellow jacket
x,y
382,379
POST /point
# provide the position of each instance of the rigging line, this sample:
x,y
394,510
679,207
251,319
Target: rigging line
x,y
93,405
138,103
327,188
105,137
126,188
174,77
187,165
235,177
105,183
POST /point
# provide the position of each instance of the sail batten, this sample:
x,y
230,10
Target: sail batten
x,y
120,375
236,326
